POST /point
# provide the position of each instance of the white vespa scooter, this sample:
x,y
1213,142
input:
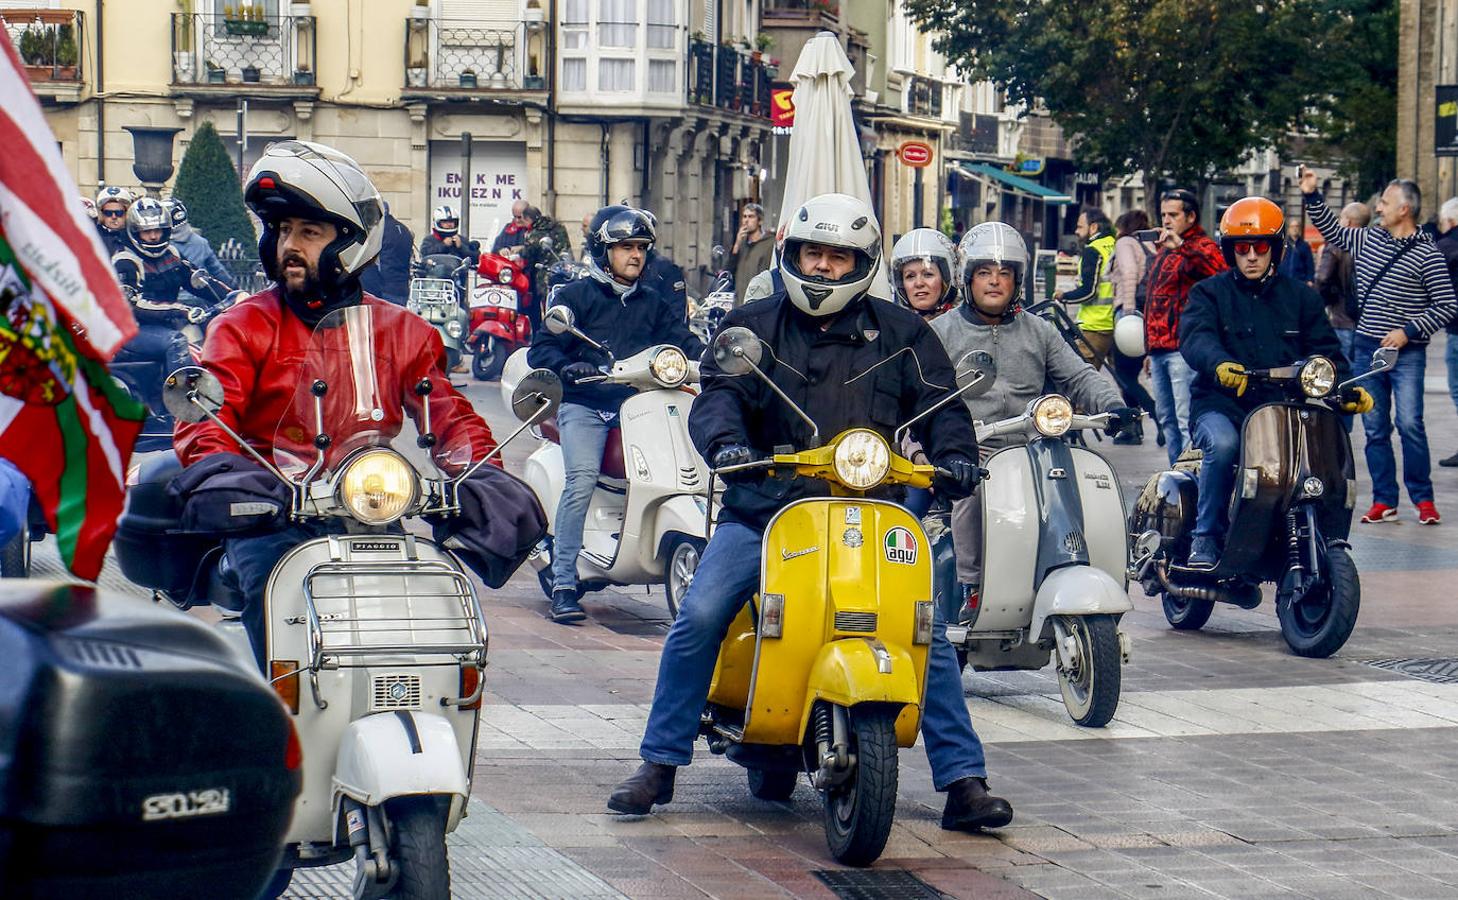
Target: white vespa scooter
x,y
647,521
1054,559
375,638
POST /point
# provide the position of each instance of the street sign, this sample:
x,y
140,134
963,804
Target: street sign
x,y
916,154
1445,124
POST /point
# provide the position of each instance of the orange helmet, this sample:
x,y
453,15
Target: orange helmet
x,y
1253,219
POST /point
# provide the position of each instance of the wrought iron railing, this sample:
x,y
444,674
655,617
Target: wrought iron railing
x,y
214,49
924,97
49,41
802,9
728,79
446,53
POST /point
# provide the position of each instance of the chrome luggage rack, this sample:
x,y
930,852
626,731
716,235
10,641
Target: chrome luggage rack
x,y
432,292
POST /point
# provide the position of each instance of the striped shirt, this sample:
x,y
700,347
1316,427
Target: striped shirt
x,y
1415,293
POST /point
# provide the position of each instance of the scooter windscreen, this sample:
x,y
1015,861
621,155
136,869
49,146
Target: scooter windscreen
x,y
356,383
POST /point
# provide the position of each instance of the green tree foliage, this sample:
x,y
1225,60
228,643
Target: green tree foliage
x,y
1178,88
207,183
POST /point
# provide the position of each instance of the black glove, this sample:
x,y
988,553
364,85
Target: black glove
x,y
575,372
957,476
736,455
1121,417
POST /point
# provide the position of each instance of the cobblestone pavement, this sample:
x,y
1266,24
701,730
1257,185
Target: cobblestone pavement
x,y
1233,768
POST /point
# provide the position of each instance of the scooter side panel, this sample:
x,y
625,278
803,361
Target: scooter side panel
x,y
848,569
735,667
1103,513
664,473
1268,448
1010,528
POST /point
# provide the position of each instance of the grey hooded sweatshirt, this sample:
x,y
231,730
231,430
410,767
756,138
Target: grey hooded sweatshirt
x,y
1032,358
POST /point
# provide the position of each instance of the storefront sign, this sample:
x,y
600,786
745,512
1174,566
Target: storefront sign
x,y
782,107
916,154
1445,126
498,179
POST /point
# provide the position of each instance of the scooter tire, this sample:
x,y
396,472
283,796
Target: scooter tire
x,y
775,785
1320,637
418,848
682,560
486,364
859,814
1095,704
1185,613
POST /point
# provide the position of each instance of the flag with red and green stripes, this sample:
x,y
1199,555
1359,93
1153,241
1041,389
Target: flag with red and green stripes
x,y
63,421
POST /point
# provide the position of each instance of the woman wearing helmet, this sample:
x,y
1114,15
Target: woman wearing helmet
x,y
321,227
1029,354
1247,317
849,362
921,269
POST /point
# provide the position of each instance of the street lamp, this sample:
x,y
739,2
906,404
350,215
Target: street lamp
x,y
152,156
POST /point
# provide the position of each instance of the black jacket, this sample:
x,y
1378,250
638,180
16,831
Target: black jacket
x,y
834,376
666,278
1447,244
431,245
625,325
1228,320
389,276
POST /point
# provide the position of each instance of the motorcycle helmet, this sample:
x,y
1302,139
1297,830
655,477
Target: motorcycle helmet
x,y
833,220
148,214
992,242
930,246
177,214
1253,219
1129,335
615,225
312,181
114,194
440,216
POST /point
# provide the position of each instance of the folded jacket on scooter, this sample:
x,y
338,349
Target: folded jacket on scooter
x,y
229,494
499,524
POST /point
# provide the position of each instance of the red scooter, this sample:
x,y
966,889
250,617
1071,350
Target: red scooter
x,y
499,320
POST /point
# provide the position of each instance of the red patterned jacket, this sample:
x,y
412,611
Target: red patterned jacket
x,y
1171,276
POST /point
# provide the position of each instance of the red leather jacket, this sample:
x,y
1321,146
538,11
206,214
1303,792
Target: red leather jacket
x,y
257,348
1171,275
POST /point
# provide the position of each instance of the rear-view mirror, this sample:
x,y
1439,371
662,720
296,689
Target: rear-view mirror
x,y
737,351
191,392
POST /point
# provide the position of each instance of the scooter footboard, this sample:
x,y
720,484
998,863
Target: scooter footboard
x,y
1077,591
400,754
859,670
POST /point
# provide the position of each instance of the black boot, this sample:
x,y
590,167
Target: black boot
x,y
565,608
652,783
971,808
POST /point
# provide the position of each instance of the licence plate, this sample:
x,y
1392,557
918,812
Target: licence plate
x,y
492,295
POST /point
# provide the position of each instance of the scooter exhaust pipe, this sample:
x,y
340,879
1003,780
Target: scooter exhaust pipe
x,y
1196,592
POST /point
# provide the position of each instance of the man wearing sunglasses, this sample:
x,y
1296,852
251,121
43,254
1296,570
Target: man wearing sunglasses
x,y
112,203
1249,317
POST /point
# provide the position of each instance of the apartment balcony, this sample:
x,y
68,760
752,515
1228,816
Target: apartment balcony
x,y
800,13
923,97
50,44
267,55
728,79
464,59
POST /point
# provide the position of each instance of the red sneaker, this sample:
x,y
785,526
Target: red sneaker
x,y
1428,513
1381,512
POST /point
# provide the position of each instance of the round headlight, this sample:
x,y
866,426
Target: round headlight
x,y
1052,415
453,328
1317,377
862,459
504,276
669,366
378,487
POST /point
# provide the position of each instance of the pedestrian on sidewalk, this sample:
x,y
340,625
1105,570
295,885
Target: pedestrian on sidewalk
x,y
1131,263
1095,292
1297,261
1447,244
1404,295
1334,283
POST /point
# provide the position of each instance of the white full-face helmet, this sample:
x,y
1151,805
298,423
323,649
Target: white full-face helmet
x,y
925,245
991,242
834,220
312,181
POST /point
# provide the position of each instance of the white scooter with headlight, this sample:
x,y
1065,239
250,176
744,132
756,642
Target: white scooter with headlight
x,y
374,636
647,521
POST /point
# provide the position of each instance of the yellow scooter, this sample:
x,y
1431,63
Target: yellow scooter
x,y
824,671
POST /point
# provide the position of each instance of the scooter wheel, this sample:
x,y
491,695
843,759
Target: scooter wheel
x,y
488,360
681,562
1186,614
1091,693
418,849
1320,623
859,813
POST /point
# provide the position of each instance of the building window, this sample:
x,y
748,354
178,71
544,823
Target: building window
x,y
270,7
617,23
662,76
615,75
575,25
574,74
661,25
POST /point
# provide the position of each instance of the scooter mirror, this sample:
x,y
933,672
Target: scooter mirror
x,y
537,395
1383,359
976,371
558,320
717,256
547,243
737,351
199,281
189,391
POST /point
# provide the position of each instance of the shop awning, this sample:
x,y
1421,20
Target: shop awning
x,y
1015,183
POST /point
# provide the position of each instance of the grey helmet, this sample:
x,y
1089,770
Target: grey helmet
x,y
994,242
929,245
177,212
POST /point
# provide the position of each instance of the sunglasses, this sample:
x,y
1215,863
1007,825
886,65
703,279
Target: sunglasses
x,y
1245,248
114,213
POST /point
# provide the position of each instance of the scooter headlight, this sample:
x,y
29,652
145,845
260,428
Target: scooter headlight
x,y
378,487
669,367
504,276
453,328
1052,415
1317,377
862,459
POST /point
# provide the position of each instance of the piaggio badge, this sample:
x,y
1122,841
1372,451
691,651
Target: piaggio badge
x,y
901,546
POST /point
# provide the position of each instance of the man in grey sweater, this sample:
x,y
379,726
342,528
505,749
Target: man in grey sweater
x,y
1029,354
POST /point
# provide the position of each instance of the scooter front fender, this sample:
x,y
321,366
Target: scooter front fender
x,y
852,671
679,514
1077,591
398,754
493,328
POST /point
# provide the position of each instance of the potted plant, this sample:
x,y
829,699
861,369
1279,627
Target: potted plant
x,y
216,73
303,74
251,74
468,78
763,42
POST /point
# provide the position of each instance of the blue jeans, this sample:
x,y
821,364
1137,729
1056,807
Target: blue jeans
x,y
252,559
1344,337
1405,383
584,435
1219,437
1170,376
1450,356
14,501
728,575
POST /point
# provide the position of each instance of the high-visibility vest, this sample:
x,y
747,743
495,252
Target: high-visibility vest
x,y
1098,314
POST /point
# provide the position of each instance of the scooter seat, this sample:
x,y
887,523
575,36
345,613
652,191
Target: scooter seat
x,y
612,465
